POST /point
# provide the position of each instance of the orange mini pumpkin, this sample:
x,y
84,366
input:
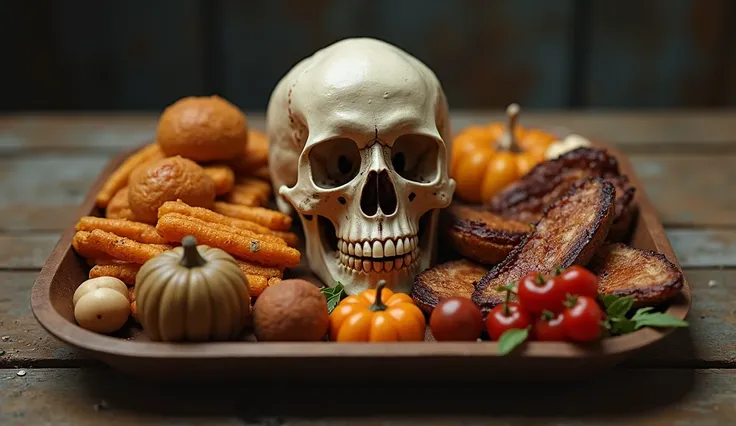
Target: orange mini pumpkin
x,y
484,159
378,315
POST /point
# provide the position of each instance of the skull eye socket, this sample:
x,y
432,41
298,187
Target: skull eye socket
x,y
414,157
334,162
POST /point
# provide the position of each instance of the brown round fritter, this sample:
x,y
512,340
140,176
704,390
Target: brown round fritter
x,y
480,235
451,279
647,276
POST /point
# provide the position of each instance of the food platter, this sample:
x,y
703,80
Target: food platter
x,y
132,352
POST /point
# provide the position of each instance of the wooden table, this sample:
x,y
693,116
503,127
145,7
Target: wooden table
x,y
687,161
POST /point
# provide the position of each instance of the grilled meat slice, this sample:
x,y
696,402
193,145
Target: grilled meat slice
x,y
645,275
451,279
570,231
480,235
526,199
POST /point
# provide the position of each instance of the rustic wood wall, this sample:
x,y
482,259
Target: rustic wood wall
x,y
138,54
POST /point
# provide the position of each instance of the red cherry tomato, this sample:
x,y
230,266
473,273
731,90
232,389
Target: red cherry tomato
x,y
550,329
582,320
456,319
579,281
538,293
501,319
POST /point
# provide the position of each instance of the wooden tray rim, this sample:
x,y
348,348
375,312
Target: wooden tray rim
x,y
103,345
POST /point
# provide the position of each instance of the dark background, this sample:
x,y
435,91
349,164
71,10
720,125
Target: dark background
x,y
143,55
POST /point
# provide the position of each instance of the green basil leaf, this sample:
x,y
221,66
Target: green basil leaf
x,y
658,319
642,312
333,295
608,299
619,307
622,326
511,339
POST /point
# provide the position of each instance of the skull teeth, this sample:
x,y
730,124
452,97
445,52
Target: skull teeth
x,y
379,249
409,260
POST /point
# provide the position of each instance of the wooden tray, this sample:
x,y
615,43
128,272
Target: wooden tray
x,y
51,301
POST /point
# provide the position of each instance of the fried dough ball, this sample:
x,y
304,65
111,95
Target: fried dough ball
x,y
202,129
169,179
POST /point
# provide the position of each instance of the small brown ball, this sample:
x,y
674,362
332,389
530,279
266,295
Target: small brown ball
x,y
203,129
292,310
168,179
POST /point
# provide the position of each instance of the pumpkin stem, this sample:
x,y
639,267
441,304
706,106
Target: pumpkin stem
x,y
191,257
508,139
378,305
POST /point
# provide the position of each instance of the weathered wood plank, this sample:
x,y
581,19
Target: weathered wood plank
x,y
500,59
694,190
645,54
42,192
95,396
26,251
23,341
708,342
686,131
129,55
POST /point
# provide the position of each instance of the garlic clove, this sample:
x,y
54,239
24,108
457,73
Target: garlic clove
x,y
103,310
99,282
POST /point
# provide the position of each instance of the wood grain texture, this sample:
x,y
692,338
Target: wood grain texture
x,y
665,53
690,190
679,131
92,55
708,342
95,396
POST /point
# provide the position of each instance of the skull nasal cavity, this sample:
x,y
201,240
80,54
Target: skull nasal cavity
x,y
378,192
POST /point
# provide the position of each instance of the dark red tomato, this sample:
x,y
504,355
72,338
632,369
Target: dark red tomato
x,y
456,319
538,293
582,320
550,329
579,281
501,319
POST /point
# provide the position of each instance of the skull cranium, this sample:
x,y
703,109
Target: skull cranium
x,y
357,134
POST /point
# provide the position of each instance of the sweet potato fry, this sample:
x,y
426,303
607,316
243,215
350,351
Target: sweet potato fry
x,y
119,177
209,216
256,284
231,229
249,192
273,281
271,219
252,269
223,177
131,293
125,272
118,207
136,231
255,155
262,173
174,227
122,248
84,247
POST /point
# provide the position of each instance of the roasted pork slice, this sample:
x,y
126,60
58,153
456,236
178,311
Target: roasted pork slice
x,y
451,279
645,275
526,199
569,232
480,235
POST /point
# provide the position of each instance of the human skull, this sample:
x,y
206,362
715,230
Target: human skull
x,y
357,147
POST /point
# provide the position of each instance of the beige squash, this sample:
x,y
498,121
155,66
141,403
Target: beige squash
x,y
192,293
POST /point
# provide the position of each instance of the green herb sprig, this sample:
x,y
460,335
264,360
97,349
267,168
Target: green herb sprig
x,y
333,295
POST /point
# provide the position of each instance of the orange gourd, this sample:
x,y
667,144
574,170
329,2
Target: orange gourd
x,y
378,315
484,159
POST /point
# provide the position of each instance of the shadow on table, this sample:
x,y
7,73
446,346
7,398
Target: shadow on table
x,y
615,394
